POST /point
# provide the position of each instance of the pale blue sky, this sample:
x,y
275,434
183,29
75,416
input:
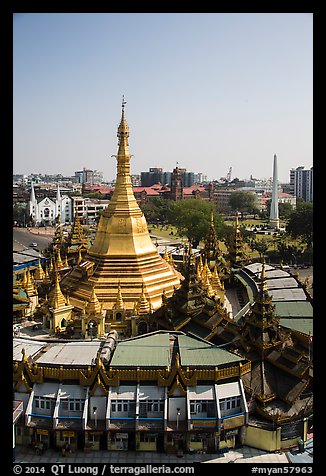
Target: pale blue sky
x,y
207,90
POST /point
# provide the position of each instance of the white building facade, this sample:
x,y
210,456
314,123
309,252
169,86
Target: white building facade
x,y
46,211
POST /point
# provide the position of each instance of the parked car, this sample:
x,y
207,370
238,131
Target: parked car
x,y
37,326
33,245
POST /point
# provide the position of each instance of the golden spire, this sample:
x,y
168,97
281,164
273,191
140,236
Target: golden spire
x,y
29,285
80,258
207,286
46,273
122,242
24,280
119,304
66,264
51,265
263,283
237,226
39,273
93,306
59,260
171,261
200,265
166,256
143,305
58,299
206,271
216,282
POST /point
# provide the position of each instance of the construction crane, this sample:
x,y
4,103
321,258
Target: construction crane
x,y
228,176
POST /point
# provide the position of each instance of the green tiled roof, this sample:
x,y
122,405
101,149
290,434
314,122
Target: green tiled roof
x,y
150,351
197,353
294,309
302,325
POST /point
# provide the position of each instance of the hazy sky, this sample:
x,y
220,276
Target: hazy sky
x,y
207,90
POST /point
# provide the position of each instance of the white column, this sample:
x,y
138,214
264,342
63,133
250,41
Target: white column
x,y
273,216
56,409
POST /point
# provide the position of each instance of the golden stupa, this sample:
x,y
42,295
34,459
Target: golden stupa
x,y
123,251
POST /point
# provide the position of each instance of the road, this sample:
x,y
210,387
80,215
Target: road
x,y
22,238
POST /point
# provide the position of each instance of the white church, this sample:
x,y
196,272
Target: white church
x,y
46,211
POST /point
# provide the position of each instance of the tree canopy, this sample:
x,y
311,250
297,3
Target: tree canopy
x,y
300,224
243,202
156,210
192,219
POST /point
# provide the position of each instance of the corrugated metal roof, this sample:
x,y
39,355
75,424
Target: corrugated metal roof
x,y
256,267
148,351
301,325
276,273
198,353
293,294
294,309
226,390
201,392
72,353
281,283
31,348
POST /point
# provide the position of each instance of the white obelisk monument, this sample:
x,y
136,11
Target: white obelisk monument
x,y
274,221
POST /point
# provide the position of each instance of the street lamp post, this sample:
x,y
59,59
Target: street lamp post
x,y
95,415
178,414
90,329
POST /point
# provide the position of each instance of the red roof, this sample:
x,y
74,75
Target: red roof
x,y
148,190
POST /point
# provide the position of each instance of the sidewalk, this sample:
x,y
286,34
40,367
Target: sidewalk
x,y
241,455
49,231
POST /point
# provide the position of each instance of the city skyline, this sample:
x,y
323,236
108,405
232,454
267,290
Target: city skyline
x,y
208,91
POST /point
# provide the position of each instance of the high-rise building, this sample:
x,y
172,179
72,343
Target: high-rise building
x,y
156,175
91,177
301,183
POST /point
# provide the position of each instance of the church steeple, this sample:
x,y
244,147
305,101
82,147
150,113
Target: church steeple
x,y
58,193
32,197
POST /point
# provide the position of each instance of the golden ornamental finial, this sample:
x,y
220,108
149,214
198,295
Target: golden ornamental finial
x,y
263,283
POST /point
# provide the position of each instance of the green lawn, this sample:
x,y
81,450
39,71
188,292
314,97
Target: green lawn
x,y
164,231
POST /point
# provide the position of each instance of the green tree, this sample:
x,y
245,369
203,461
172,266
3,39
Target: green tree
x,y
285,209
300,224
156,210
243,202
192,219
19,213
